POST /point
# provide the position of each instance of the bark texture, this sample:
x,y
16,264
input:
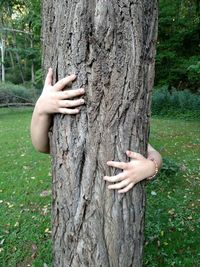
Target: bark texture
x,y
110,45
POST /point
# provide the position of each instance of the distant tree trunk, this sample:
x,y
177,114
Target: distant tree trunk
x,y
110,45
32,65
18,57
11,60
198,16
2,59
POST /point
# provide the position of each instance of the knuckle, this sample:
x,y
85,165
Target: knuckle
x,y
70,111
127,182
60,110
68,80
123,175
76,92
119,178
58,103
67,103
61,83
65,94
124,165
131,165
112,179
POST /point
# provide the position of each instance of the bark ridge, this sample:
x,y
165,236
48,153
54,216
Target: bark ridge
x,y
110,45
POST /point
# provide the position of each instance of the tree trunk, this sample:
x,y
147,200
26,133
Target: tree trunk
x,y
32,64
2,58
110,45
11,60
18,57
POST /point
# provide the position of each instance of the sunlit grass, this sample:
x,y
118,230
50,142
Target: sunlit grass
x,y
172,221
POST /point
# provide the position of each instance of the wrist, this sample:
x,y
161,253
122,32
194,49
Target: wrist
x,y
154,169
40,110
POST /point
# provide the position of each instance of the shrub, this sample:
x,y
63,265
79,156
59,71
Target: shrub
x,y
12,93
194,73
38,78
175,103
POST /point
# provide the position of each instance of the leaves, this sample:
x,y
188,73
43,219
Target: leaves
x,y
178,50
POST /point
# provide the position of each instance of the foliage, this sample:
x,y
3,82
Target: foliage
x,y
20,29
178,50
195,68
178,43
170,102
194,73
12,93
39,79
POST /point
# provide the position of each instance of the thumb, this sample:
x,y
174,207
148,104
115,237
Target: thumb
x,y
49,77
134,155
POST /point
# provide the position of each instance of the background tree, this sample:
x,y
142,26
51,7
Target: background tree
x,y
178,44
20,28
110,45
177,47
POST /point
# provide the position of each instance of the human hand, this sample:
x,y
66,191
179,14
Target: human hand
x,y
56,100
138,169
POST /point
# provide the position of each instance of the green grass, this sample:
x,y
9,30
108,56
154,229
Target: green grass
x,y
24,214
172,219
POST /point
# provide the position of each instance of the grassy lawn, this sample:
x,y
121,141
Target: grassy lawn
x,y
24,213
172,219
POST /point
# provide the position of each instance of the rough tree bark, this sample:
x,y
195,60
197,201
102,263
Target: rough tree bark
x,y
110,45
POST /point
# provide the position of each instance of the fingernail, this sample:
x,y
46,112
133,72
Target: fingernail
x,y
82,101
82,90
73,76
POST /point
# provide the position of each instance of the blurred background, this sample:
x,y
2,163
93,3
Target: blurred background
x,y
177,61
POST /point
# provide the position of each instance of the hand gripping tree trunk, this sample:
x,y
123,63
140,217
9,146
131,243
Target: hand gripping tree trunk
x,y
110,45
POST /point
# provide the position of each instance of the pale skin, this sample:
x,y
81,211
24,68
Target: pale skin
x,y
57,99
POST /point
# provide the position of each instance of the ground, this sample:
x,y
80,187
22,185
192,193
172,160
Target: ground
x,y
172,219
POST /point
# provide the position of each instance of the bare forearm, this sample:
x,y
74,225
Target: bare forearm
x,y
40,125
